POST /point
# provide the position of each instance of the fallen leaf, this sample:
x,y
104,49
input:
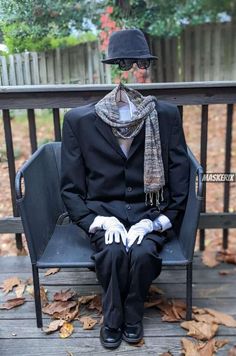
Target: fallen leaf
x,y
167,311
179,309
64,296
29,280
225,272
9,284
232,351
155,290
66,330
12,303
88,322
153,303
222,318
140,343
189,347
168,353
199,348
227,256
209,258
58,307
19,290
199,329
30,290
51,271
207,318
67,315
85,299
53,326
96,303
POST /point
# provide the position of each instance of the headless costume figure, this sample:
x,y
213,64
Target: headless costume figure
x,y
126,276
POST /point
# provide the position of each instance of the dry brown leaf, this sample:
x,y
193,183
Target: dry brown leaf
x,y
222,318
19,290
167,311
53,326
67,315
155,290
189,347
29,280
58,307
207,318
179,309
168,353
140,343
200,330
232,351
9,284
207,348
51,271
152,303
66,330
225,272
12,303
198,310
43,293
221,342
88,322
209,258
227,256
64,295
85,299
96,303
30,290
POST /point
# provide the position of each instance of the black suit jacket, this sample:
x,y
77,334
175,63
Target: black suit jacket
x,y
98,179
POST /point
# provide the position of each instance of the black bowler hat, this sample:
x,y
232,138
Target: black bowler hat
x,y
130,43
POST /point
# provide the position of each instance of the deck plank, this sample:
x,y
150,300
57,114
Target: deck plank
x,y
20,335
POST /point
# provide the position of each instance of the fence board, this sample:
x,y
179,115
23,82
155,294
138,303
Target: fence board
x,y
27,74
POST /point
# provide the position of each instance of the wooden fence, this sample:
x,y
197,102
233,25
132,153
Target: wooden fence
x,y
79,64
201,53
67,96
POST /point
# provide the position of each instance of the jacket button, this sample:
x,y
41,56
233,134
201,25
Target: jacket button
x,y
129,189
128,206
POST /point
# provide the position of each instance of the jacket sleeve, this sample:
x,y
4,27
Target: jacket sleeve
x,y
73,180
178,171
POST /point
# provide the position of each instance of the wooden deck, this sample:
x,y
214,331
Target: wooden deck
x,y
20,336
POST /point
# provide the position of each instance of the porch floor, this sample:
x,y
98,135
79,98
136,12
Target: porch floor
x,y
19,334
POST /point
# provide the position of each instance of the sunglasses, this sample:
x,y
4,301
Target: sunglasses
x,y
126,64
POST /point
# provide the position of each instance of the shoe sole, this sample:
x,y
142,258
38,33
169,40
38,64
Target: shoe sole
x,y
132,341
110,345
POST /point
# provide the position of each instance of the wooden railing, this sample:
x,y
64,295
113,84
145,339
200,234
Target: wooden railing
x,y
68,96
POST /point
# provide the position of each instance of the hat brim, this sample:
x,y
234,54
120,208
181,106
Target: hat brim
x,y
111,60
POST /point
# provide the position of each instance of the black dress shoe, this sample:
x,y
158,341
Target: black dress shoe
x,y
133,333
110,338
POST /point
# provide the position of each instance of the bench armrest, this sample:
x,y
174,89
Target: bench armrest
x,y
38,198
188,230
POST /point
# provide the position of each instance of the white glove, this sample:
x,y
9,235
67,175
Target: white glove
x,y
115,230
138,231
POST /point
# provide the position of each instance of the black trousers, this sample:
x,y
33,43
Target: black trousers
x,y
126,276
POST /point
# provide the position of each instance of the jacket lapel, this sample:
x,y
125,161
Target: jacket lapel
x,y
106,131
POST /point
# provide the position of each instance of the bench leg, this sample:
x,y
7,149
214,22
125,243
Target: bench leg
x,y
189,292
37,298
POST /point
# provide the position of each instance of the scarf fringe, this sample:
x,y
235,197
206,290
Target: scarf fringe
x,y
150,195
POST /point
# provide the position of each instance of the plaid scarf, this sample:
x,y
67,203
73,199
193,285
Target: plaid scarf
x,y
108,111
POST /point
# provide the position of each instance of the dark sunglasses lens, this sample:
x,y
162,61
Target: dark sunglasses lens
x,y
125,64
143,63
